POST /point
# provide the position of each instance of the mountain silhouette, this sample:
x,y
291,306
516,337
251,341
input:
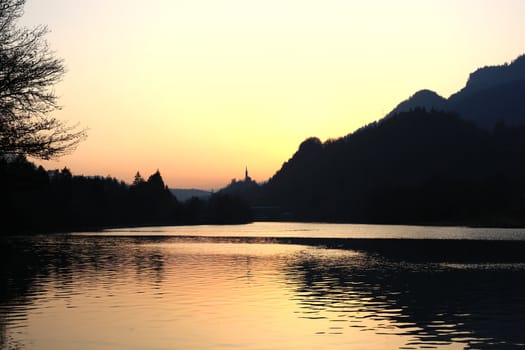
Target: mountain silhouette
x,y
492,95
419,167
427,99
492,76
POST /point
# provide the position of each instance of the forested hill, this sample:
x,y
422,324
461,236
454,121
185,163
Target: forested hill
x,y
34,200
414,167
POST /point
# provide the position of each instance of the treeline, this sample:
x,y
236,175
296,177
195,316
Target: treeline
x,y
34,200
419,167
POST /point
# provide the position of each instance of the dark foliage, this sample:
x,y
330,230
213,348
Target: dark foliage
x,y
414,167
34,200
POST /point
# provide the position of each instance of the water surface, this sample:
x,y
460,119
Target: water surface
x,y
324,230
121,289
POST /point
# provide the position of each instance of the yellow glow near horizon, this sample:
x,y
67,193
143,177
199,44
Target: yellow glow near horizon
x,y
199,89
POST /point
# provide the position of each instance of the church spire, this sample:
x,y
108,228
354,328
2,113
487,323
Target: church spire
x,y
246,177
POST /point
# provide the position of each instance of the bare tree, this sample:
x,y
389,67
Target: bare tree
x,y
28,72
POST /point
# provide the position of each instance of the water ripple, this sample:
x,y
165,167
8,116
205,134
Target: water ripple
x,y
200,293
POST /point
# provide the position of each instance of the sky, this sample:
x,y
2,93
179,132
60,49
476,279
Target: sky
x,y
200,89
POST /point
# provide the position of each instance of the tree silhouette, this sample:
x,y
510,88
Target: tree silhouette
x,y
156,182
137,180
28,70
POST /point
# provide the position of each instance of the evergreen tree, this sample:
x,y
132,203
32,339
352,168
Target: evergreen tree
x,y
137,180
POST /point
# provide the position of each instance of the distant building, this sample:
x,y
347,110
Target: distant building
x,y
241,187
247,178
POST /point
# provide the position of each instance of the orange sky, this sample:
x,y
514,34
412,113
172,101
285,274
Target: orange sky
x,y
200,89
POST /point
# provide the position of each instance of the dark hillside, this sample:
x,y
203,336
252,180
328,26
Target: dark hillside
x,y
415,167
491,95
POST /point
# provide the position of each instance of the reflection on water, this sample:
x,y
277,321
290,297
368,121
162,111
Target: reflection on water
x,y
435,305
323,230
71,292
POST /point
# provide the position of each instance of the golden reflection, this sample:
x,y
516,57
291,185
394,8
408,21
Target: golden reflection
x,y
160,294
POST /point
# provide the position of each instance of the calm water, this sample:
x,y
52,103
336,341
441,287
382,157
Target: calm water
x,y
192,288
321,230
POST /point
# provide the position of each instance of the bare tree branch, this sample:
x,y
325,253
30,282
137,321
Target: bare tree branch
x,y
28,71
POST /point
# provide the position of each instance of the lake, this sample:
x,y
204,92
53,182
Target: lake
x,y
265,286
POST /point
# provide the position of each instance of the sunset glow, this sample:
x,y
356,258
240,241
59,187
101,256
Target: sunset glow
x,y
200,89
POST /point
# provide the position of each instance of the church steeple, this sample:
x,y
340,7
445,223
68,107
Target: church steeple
x,y
246,177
